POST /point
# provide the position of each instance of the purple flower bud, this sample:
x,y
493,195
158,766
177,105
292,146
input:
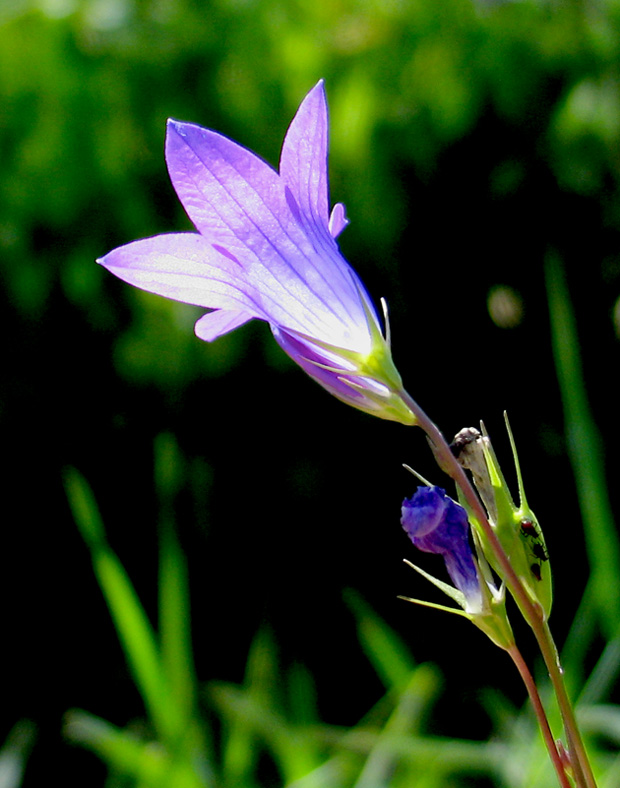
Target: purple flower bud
x,y
437,524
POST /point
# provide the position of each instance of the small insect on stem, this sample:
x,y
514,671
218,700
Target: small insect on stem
x,y
540,552
528,528
531,530
535,568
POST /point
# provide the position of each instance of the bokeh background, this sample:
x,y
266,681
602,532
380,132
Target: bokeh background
x,y
469,141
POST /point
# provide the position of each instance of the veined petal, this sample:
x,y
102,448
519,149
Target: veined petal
x,y
228,191
303,162
182,266
437,524
241,205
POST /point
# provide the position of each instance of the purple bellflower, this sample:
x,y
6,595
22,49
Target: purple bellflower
x,y
437,524
265,248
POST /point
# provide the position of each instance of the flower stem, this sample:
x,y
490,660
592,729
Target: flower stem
x,y
531,610
541,716
573,737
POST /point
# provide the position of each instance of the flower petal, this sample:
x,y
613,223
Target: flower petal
x,y
240,205
303,162
337,220
219,322
182,266
228,192
437,524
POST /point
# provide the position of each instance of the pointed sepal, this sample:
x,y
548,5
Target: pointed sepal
x,y
515,526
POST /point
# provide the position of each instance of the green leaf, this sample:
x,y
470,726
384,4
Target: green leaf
x,y
132,624
240,752
388,654
585,448
146,762
14,753
295,749
405,720
174,602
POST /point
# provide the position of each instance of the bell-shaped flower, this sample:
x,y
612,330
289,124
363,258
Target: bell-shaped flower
x,y
437,524
266,248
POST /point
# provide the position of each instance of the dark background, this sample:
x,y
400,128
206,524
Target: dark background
x,y
468,141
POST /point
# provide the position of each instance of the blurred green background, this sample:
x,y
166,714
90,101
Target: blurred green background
x,y
469,141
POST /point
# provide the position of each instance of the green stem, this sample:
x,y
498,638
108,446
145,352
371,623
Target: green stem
x,y
573,737
531,611
541,716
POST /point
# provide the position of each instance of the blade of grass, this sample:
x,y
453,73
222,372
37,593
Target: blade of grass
x,y
261,719
453,755
586,453
14,753
404,721
174,603
387,653
126,754
130,620
193,739
302,695
604,676
240,753
294,749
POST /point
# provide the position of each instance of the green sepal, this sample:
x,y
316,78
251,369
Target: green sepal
x,y
492,619
435,606
524,547
449,590
536,581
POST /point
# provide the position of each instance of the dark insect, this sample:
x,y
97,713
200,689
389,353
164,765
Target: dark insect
x,y
536,571
540,552
529,529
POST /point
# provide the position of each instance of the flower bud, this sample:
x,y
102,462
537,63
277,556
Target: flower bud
x,y
437,524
